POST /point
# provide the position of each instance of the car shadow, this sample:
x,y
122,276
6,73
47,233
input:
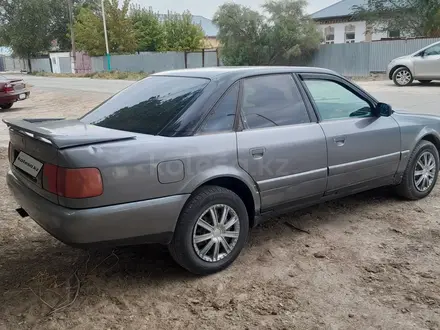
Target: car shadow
x,y
420,85
13,109
32,270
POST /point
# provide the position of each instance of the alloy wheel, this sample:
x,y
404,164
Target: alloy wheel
x,y
216,233
403,77
424,172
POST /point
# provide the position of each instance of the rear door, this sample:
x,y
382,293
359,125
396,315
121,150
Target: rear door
x,y
362,148
280,144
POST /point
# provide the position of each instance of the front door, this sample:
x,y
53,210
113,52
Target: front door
x,y
279,145
428,64
362,148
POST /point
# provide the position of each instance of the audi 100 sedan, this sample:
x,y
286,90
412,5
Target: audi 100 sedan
x,y
195,158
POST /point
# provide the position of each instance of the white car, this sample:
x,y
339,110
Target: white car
x,y
423,65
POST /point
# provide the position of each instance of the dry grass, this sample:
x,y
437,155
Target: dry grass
x,y
96,75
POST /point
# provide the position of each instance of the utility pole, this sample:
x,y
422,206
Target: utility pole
x,y
72,37
107,53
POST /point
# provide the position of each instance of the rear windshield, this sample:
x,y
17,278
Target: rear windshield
x,y
148,106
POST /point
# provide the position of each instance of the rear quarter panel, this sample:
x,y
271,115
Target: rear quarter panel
x,y
414,128
130,168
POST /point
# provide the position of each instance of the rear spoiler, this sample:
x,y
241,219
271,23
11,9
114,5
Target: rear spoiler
x,y
48,133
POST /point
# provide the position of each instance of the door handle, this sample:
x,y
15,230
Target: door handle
x,y
339,140
257,152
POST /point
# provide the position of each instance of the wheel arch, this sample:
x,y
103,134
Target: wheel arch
x,y
398,66
394,69
425,134
249,196
433,138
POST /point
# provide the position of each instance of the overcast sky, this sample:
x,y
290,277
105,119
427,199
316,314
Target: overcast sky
x,y
207,8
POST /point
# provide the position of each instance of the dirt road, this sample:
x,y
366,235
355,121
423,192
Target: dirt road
x,y
370,261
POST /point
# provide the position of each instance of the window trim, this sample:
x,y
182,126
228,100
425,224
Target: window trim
x,y
305,97
340,81
199,131
311,115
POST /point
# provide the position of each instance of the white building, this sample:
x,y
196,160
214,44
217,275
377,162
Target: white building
x,y
59,61
337,25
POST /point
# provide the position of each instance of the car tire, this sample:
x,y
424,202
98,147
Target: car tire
x,y
200,257
425,82
6,106
403,77
410,187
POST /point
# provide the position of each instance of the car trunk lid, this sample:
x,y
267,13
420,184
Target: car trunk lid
x,y
61,133
36,142
17,84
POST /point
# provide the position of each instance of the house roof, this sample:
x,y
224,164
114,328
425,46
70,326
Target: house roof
x,y
338,9
207,25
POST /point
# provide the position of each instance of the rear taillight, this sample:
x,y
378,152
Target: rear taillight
x,y
8,88
72,183
50,173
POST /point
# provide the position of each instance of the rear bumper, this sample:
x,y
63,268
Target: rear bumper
x,y
151,221
11,98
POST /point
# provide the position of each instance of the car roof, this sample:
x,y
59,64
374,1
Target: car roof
x,y
240,72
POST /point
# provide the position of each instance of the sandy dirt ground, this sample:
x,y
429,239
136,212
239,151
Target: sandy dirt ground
x,y
370,261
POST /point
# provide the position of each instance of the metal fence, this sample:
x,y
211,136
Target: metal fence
x,y
151,62
361,59
353,60
347,59
41,65
8,63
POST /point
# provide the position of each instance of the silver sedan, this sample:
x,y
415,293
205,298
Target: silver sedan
x,y
195,158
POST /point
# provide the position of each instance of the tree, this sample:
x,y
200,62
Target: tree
x,y
94,5
89,30
26,26
181,33
410,17
283,35
121,34
149,31
59,13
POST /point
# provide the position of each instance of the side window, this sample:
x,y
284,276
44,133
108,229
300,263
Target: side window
x,y
222,117
270,101
434,50
333,101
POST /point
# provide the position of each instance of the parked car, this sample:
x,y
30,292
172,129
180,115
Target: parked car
x,y
11,91
195,158
423,65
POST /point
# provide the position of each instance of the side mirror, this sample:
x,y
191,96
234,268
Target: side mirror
x,y
422,54
383,110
